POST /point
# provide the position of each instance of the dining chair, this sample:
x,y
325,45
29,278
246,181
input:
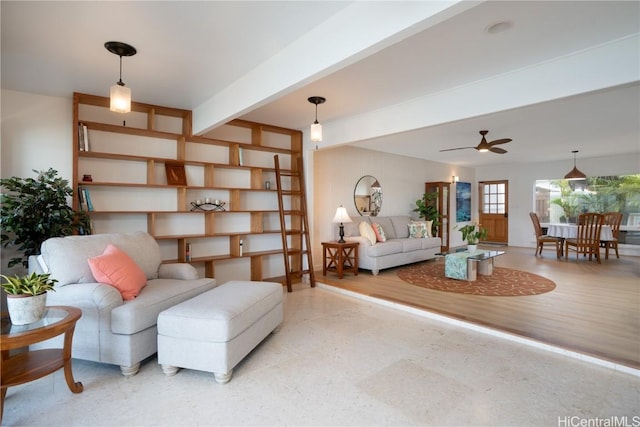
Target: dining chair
x,y
541,238
587,242
613,220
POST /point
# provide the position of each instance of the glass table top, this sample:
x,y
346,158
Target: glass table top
x,y
51,316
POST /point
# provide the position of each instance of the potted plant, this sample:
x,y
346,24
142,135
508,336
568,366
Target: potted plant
x,y
472,234
427,210
27,296
34,210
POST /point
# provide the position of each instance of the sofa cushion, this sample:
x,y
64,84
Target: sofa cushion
x,y
159,294
67,256
116,268
367,231
430,242
385,222
427,224
400,225
380,236
417,231
387,248
409,245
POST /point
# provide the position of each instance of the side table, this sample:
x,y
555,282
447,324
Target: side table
x,y
27,366
340,257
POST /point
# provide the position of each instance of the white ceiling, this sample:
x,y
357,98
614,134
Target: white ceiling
x,y
429,66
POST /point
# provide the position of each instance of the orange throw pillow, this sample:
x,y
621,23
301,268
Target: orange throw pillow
x,y
114,267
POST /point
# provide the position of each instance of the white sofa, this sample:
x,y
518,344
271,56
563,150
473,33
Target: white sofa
x,y
398,249
112,330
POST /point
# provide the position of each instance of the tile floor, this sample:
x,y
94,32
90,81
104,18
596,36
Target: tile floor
x,y
342,361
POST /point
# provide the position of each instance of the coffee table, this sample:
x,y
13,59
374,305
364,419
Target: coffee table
x,y
465,265
24,366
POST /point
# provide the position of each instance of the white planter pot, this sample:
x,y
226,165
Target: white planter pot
x,y
472,248
26,309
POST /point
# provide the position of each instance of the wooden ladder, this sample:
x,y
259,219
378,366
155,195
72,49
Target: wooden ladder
x,y
296,242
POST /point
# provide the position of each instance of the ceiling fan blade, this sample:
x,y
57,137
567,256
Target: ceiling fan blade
x,y
497,150
500,141
459,148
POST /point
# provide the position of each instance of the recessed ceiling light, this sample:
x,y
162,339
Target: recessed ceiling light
x,y
499,27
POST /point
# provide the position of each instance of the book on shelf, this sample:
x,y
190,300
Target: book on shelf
x,y
83,137
81,199
80,137
87,199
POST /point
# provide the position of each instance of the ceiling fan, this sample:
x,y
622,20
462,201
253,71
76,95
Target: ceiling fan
x,y
486,146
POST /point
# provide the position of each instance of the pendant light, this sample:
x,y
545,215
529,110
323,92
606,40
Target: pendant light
x,y
316,128
575,174
120,95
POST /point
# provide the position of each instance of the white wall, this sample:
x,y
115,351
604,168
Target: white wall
x,y
36,134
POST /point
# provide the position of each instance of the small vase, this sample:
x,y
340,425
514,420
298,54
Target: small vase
x,y
472,248
25,309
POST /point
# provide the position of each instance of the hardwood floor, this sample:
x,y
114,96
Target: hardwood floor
x,y
594,309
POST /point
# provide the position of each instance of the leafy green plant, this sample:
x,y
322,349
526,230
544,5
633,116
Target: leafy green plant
x,y
34,210
33,284
427,209
472,233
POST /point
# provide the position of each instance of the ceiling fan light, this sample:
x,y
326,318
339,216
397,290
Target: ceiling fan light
x,y
120,98
316,132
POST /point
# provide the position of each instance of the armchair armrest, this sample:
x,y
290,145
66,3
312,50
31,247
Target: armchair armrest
x,y
181,271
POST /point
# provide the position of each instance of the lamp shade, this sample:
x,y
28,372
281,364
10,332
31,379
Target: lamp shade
x,y
120,99
575,173
341,215
316,132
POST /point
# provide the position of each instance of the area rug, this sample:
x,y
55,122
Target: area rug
x,y
503,282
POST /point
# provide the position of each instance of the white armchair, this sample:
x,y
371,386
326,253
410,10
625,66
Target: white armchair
x,y
112,330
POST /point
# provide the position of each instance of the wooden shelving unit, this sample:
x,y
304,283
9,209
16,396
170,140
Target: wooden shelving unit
x,y
126,159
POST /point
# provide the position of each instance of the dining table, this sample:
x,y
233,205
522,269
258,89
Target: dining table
x,y
570,231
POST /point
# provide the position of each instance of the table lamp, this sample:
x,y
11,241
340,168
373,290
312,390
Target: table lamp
x,y
340,218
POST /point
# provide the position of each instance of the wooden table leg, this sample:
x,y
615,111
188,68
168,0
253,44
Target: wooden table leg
x,y
75,387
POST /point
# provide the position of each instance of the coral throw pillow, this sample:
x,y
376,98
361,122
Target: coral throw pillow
x,y
380,236
366,231
114,267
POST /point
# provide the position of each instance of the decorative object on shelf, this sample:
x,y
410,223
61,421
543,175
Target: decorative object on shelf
x,y
23,202
240,251
27,296
267,185
340,218
472,233
316,128
575,173
217,205
175,173
119,94
187,254
87,178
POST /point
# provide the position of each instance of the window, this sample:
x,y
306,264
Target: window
x,y
562,200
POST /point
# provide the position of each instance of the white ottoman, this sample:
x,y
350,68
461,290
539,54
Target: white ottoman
x,y
215,330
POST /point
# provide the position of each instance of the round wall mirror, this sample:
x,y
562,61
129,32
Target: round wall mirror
x,y
367,196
